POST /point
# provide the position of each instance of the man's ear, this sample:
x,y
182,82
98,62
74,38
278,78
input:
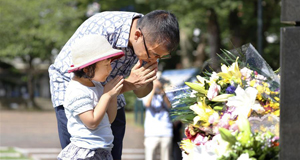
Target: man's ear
x,y
137,34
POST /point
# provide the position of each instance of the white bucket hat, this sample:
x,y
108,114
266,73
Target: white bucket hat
x,y
91,49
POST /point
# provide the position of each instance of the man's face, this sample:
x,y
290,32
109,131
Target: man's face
x,y
147,52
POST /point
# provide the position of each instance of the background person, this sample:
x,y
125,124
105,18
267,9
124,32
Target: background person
x,y
143,39
158,125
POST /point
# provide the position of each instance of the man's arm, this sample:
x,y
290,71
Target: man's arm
x,y
139,92
143,91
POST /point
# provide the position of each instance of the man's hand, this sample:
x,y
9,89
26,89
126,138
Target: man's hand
x,y
140,75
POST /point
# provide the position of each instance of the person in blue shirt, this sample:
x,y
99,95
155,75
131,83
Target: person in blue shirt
x,y
158,125
143,38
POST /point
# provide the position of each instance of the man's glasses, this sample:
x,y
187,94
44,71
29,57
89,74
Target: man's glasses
x,y
156,55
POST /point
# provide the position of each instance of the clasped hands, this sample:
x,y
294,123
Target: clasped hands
x,y
142,75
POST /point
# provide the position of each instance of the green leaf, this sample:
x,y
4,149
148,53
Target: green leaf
x,y
224,60
227,136
262,157
251,153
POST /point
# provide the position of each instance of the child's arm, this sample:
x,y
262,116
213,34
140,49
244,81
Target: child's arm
x,y
112,109
92,118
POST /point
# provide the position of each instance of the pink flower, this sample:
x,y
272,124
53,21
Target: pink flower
x,y
200,140
260,77
234,127
224,121
213,91
246,73
216,130
214,118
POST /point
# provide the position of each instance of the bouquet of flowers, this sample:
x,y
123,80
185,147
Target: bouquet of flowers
x,y
233,113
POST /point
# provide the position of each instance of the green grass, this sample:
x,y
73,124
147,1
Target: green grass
x,y
130,119
9,150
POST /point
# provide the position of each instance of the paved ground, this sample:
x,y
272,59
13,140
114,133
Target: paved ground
x,y
33,130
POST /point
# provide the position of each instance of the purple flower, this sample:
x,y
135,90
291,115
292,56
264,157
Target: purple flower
x,y
230,89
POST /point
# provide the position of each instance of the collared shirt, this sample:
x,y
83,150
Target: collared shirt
x,y
115,26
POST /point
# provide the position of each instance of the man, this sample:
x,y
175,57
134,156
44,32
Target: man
x,y
143,39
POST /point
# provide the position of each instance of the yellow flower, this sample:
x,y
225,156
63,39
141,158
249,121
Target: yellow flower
x,y
260,91
266,84
231,73
187,145
203,113
274,105
277,99
276,113
231,122
267,90
252,83
223,82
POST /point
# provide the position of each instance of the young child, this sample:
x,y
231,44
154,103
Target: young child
x,y
89,106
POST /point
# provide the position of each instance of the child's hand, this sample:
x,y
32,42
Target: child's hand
x,y
114,86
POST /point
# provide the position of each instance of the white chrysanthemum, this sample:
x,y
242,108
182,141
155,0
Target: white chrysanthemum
x,y
244,156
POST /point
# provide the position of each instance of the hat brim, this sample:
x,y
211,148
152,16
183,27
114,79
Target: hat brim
x,y
111,54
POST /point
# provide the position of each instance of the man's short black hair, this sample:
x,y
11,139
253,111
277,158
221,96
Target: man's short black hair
x,y
90,73
161,27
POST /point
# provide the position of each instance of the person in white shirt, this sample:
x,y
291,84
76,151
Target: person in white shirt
x,y
90,107
158,125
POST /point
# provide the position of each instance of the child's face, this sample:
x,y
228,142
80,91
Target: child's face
x,y
102,70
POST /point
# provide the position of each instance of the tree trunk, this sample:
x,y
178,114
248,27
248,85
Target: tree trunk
x,y
214,40
185,49
30,85
235,29
200,53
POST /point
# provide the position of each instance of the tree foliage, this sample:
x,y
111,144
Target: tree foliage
x,y
236,19
36,27
32,29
